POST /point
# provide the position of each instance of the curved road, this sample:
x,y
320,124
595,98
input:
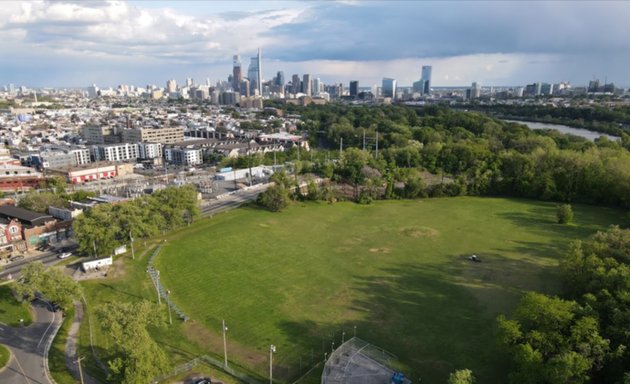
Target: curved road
x,y
28,346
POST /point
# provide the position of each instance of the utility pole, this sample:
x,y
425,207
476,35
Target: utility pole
x,y
168,304
272,349
364,139
377,144
225,361
340,148
157,285
249,161
80,370
94,246
133,254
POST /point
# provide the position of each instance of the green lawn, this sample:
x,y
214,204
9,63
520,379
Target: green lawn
x,y
57,355
5,355
397,270
11,311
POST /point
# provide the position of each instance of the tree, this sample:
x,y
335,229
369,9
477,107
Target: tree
x,y
136,356
52,283
275,198
552,341
564,213
40,201
462,376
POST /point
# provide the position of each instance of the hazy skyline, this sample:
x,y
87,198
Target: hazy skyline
x,y
76,43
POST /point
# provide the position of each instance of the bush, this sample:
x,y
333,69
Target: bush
x,y
564,213
275,198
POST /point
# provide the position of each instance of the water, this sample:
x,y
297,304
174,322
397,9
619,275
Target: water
x,y
585,133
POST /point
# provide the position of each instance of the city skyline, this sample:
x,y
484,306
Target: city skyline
x,y
49,44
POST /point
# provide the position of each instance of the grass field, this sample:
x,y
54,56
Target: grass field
x,y
395,270
11,311
5,355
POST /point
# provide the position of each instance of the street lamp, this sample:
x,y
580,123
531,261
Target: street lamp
x,y
168,304
343,337
355,331
225,362
272,350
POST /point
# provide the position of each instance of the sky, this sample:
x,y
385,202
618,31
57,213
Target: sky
x,y
501,43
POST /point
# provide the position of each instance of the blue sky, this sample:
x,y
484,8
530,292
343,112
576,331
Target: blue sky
x,y
76,43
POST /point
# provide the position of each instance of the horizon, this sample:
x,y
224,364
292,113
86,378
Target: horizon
x,y
148,42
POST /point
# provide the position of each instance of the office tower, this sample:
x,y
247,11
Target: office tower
x,y
254,73
280,79
245,88
171,86
306,85
389,88
317,86
354,88
296,84
426,78
93,91
237,75
189,82
475,90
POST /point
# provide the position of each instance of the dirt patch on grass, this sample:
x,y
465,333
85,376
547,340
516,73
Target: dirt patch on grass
x,y
343,249
379,250
420,232
118,268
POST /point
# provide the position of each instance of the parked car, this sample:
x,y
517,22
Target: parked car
x,y
17,257
64,255
205,380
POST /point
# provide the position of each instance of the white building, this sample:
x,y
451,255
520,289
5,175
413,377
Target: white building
x,y
81,155
115,152
184,156
149,150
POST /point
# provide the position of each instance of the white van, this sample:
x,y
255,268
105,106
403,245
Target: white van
x,y
64,255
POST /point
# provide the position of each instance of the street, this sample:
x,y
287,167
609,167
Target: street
x,y
29,347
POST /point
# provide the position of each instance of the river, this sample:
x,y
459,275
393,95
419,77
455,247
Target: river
x,y
585,133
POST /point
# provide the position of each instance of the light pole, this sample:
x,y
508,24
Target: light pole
x,y
272,350
133,255
343,337
332,347
80,371
168,304
355,331
225,362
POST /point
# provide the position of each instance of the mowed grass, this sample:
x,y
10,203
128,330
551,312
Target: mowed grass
x,y
5,355
395,270
11,310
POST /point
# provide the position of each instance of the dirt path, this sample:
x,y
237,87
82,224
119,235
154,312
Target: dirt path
x,y
71,345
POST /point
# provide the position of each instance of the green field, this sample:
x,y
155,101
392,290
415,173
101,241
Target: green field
x,y
397,270
11,311
5,355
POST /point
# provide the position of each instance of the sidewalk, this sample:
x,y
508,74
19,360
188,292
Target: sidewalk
x,y
71,346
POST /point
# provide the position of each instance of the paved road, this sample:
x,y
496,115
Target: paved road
x,y
231,201
28,346
14,268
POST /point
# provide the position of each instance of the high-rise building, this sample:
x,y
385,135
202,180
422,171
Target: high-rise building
x,y
475,90
354,88
388,88
317,86
306,85
93,91
237,75
254,73
296,84
171,86
189,82
426,78
280,79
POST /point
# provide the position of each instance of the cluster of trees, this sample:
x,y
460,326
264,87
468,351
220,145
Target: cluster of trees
x,y
135,356
52,194
106,227
52,283
468,152
582,336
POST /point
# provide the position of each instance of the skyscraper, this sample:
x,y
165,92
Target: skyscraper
x,y
426,78
317,86
296,84
237,75
254,72
280,79
306,85
171,86
354,88
389,88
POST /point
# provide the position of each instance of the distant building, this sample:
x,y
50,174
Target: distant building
x,y
306,85
389,88
93,91
354,88
183,156
164,135
426,78
237,75
115,152
171,86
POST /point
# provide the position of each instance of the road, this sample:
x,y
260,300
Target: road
x,y
231,201
29,347
14,268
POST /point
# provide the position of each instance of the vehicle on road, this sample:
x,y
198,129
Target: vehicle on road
x,y
16,258
205,380
64,255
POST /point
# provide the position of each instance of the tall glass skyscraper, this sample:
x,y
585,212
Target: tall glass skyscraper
x,y
254,73
426,78
237,75
389,88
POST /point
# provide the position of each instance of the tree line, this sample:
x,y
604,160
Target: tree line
x,y
105,227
